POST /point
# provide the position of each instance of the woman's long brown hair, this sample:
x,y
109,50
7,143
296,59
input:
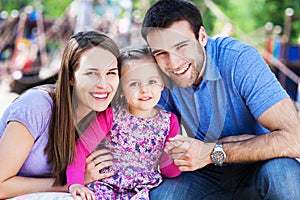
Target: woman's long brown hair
x,y
62,130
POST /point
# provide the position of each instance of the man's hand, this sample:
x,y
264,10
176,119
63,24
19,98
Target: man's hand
x,y
84,192
189,154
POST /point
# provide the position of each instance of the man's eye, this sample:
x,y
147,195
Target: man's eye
x,y
159,54
152,82
181,46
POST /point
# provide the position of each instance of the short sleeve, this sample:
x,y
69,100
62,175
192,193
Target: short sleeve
x,y
33,109
256,83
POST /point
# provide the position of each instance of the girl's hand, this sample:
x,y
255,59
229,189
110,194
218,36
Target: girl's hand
x,y
84,192
97,161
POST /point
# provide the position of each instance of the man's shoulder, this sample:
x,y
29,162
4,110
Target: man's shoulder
x,y
229,43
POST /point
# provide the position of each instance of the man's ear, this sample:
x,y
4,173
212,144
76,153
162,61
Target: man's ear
x,y
202,36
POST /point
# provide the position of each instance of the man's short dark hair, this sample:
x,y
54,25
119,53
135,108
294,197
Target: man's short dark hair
x,y
164,13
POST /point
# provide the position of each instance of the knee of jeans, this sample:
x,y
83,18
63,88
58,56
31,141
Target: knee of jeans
x,y
280,168
278,176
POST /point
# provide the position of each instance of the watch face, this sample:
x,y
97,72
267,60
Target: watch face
x,y
218,157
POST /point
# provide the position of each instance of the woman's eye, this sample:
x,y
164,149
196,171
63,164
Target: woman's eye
x,y
92,74
112,73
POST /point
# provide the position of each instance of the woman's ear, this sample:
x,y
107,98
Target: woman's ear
x,y
202,36
72,82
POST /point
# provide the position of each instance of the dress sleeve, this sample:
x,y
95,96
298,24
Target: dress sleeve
x,y
167,166
86,144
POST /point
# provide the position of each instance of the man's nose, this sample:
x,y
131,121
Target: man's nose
x,y
175,59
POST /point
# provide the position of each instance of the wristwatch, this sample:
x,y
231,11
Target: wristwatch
x,y
218,155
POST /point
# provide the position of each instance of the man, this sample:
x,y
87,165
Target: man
x,y
245,128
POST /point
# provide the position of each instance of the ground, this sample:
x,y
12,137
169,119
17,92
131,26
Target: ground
x,y
6,97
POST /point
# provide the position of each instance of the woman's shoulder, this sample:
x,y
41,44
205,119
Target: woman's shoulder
x,y
32,99
33,109
36,95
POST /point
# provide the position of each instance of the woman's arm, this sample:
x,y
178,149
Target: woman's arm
x,y
15,145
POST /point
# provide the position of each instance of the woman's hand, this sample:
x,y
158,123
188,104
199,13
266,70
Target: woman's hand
x,y
97,161
84,192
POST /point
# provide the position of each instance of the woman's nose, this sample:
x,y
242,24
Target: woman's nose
x,y
101,82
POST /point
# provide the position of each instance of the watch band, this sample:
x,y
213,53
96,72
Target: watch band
x,y
218,155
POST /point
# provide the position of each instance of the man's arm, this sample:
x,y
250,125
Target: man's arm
x,y
283,140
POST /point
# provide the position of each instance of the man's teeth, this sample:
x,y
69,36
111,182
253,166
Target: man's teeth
x,y
101,95
182,70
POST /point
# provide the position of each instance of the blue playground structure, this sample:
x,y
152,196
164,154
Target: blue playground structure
x,y
283,56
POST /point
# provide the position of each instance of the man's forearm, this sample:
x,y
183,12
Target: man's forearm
x,y
263,147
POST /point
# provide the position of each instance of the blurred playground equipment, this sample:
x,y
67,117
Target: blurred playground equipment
x,y
31,46
30,53
283,56
275,45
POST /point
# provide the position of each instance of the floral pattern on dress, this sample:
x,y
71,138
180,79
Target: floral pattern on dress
x,y
136,145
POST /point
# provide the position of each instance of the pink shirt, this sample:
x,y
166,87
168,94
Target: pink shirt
x,y
96,132
86,144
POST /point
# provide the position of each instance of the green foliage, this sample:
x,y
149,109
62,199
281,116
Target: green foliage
x,y
247,15
251,15
10,5
51,8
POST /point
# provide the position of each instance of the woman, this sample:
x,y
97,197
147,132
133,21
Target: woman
x,y
38,130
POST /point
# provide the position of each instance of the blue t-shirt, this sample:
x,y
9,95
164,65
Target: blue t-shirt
x,y
237,87
33,109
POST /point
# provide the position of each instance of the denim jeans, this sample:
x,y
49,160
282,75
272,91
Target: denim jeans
x,y
276,179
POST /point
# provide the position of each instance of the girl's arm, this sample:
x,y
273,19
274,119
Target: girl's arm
x,y
15,145
167,166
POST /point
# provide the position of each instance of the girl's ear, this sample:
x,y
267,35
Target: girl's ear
x,y
162,86
202,36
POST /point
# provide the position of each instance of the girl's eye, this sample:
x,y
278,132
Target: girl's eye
x,y
134,84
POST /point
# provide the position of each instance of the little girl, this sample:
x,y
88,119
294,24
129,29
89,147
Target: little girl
x,y
137,136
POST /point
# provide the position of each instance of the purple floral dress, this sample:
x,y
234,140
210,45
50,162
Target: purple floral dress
x,y
136,145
